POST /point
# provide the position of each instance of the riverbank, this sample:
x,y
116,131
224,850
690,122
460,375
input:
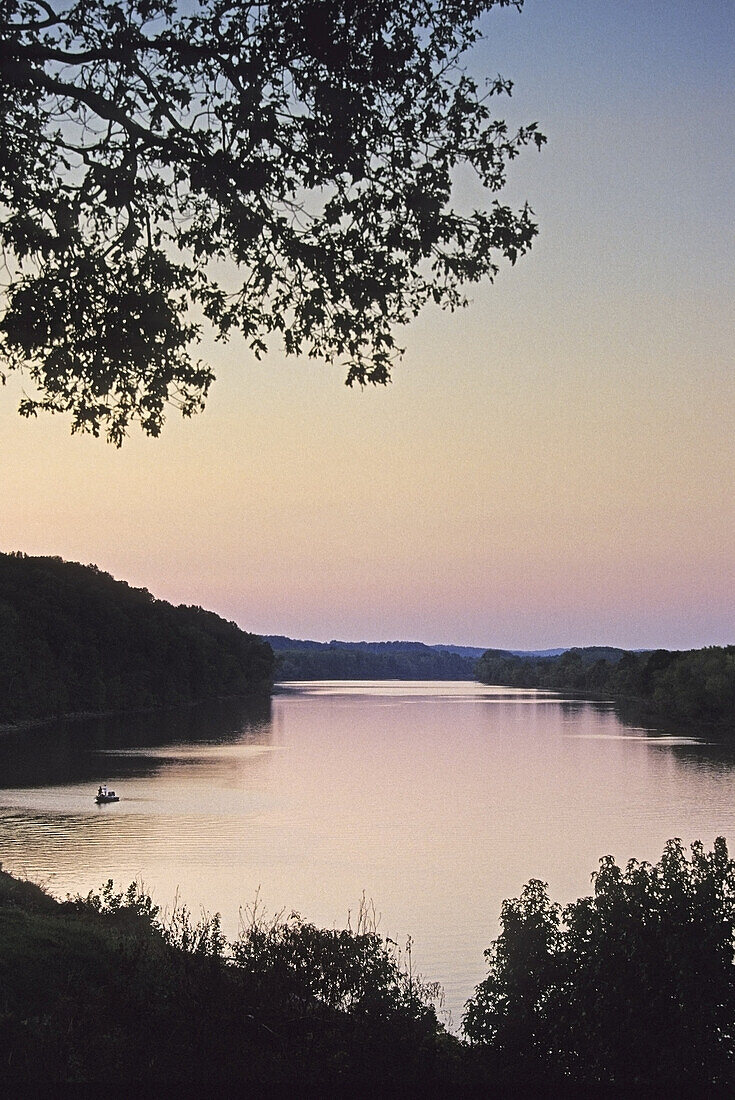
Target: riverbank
x,y
132,712
694,687
626,993
98,990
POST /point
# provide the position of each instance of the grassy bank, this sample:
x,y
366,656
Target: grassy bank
x,y
99,989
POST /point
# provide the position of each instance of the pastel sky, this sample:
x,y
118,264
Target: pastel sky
x,y
552,466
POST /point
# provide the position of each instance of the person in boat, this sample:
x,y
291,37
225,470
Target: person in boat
x,y
99,792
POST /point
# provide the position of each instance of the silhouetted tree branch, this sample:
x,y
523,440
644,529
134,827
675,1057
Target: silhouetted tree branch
x,y
279,168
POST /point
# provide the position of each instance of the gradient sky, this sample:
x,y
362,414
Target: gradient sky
x,y
552,466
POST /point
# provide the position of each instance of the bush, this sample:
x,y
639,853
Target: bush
x,y
633,986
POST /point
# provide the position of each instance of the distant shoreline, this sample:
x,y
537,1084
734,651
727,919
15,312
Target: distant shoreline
x,y
688,688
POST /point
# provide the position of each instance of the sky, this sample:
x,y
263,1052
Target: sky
x,y
552,466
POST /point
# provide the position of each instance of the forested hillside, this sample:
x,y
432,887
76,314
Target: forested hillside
x,y
307,660
73,639
695,684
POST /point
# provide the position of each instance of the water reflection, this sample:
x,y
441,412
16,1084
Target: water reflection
x,y
73,750
438,800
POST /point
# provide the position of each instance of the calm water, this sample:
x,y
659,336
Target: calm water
x,y
437,800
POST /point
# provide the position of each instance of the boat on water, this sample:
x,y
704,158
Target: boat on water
x,y
104,794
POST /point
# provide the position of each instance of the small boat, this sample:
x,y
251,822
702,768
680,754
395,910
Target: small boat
x,y
106,795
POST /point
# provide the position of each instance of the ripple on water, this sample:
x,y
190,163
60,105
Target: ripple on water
x,y
436,800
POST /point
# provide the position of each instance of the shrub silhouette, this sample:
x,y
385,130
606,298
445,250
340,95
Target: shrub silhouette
x,y
633,986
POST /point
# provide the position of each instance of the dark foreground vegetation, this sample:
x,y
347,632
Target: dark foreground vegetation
x,y
693,685
73,639
307,660
101,988
631,989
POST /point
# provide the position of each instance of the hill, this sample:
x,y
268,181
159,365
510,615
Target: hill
x,y
98,989
73,639
298,659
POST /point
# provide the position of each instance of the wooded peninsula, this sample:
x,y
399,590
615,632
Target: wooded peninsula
x,y
696,685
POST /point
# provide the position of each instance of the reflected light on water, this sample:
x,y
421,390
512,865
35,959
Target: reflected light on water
x,y
436,809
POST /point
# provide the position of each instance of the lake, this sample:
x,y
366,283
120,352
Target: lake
x,y
434,801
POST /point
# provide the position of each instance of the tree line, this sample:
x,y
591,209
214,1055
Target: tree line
x,y
307,660
73,639
694,685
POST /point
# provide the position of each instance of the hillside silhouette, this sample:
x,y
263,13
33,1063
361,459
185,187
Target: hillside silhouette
x,y
75,640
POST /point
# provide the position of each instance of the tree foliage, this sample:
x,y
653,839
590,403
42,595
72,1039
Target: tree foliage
x,y
307,660
275,168
633,986
141,997
628,992
73,639
694,685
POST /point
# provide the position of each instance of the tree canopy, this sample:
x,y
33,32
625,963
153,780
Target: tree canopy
x,y
284,169
307,660
632,987
73,639
692,685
